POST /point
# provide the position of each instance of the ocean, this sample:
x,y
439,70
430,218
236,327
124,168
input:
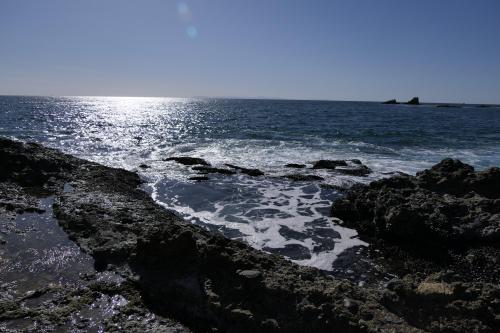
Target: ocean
x,y
270,212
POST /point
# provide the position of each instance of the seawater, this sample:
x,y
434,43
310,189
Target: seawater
x,y
270,212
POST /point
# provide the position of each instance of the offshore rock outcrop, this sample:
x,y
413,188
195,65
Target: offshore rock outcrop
x,y
391,101
187,160
295,165
352,167
440,232
180,271
413,101
246,171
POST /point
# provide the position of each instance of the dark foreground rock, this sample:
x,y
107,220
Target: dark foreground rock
x,y
174,269
440,233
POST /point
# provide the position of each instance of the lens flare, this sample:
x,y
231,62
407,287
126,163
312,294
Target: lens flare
x,y
184,11
191,31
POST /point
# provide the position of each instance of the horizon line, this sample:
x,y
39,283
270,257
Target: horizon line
x,y
253,98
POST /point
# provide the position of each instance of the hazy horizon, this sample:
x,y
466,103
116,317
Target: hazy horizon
x,y
446,52
402,101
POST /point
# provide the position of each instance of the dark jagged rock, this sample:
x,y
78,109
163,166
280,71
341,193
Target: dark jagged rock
x,y
413,101
329,164
246,171
447,205
177,269
440,230
295,165
206,170
391,101
186,160
456,178
354,168
144,166
303,178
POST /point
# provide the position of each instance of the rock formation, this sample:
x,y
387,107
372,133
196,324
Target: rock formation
x,y
391,101
413,101
440,232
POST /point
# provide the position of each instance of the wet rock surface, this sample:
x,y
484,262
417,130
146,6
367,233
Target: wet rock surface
x,y
329,164
47,284
295,165
186,160
439,232
352,167
173,276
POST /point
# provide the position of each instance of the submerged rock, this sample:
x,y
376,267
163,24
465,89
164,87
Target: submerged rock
x,y
295,165
199,178
303,178
247,171
361,170
186,160
206,169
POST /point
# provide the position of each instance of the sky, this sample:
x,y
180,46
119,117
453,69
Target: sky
x,y
439,50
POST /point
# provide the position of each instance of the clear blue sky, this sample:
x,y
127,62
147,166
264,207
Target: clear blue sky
x,y
440,50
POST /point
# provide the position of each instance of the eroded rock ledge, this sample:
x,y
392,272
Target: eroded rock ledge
x,y
440,233
203,280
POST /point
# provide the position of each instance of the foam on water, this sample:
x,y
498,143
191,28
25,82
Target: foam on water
x,y
270,214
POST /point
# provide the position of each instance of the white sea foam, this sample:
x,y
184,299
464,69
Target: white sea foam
x,y
259,212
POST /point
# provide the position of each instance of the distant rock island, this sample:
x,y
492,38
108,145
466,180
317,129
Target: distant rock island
x,y
413,101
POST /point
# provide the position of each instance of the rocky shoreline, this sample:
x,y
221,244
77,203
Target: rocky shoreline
x,y
440,233
144,269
